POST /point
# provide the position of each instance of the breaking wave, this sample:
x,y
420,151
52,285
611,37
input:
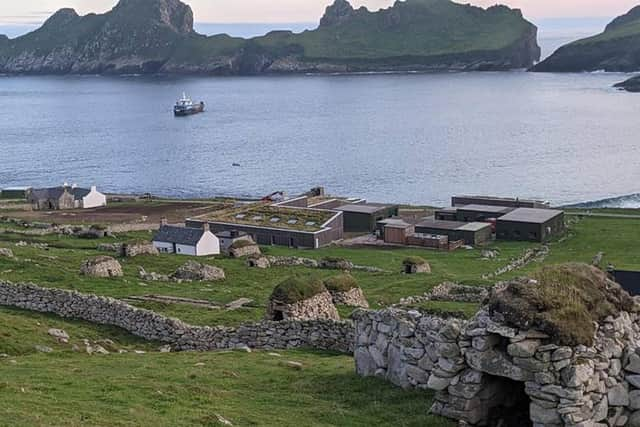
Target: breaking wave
x,y
630,201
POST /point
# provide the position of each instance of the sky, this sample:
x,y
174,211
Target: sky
x,y
18,12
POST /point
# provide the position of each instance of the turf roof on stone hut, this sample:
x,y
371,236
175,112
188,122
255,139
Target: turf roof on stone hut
x,y
562,301
341,283
296,288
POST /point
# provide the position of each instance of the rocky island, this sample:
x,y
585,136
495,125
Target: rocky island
x,y
630,85
157,36
616,49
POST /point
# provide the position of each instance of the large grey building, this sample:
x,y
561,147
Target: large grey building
x,y
537,225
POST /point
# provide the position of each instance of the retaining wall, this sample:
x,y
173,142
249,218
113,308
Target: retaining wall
x,y
317,334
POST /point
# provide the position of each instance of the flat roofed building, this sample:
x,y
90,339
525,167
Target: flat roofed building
x,y
530,224
511,202
363,217
474,233
471,213
294,227
446,214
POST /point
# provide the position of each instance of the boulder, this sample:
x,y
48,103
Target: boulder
x,y
59,334
133,249
101,266
193,270
6,253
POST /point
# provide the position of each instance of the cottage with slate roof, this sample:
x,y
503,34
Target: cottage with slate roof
x,y
186,240
66,197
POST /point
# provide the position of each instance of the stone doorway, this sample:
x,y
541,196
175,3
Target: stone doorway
x,y
509,404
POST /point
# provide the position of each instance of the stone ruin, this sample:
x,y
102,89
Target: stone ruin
x,y
331,263
301,299
344,290
195,271
493,370
133,249
244,248
415,265
101,266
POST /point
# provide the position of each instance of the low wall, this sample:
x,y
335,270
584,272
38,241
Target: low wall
x,y
317,334
399,346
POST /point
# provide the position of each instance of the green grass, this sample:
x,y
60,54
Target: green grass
x,y
23,330
191,389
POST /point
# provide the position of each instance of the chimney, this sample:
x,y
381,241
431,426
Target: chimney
x,y
163,221
206,227
94,189
74,185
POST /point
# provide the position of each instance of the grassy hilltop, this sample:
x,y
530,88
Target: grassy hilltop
x,y
615,49
157,36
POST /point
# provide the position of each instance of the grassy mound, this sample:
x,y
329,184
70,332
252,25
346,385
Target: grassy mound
x,y
297,288
414,260
563,301
341,283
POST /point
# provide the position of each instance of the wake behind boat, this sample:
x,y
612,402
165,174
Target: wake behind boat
x,y
185,107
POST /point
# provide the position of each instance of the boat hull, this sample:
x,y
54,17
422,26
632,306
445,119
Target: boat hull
x,y
180,112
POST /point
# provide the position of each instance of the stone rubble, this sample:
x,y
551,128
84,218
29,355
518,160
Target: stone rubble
x,y
319,306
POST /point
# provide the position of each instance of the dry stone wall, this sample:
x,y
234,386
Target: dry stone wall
x,y
317,334
484,370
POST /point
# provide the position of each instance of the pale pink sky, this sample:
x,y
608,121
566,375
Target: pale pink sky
x,y
234,11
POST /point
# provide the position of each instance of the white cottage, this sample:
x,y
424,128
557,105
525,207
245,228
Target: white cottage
x,y
86,199
186,241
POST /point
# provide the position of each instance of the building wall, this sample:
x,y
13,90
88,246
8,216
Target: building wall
x,y
209,244
477,238
471,200
475,216
281,237
94,199
533,232
468,237
397,235
163,247
358,222
226,242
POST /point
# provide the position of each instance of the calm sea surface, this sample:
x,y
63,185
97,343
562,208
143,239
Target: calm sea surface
x,y
414,138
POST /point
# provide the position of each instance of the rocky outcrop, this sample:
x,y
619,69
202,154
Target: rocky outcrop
x,y
6,253
157,36
101,266
616,49
630,85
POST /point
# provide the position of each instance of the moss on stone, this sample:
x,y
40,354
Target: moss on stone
x,y
297,288
341,283
238,244
562,301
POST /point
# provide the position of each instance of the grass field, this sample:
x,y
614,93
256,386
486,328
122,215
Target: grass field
x,y
173,389
66,388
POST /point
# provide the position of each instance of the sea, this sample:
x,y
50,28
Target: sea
x,y
407,138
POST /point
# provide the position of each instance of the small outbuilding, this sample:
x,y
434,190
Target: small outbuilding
x,y
301,299
415,265
530,224
363,217
186,240
472,233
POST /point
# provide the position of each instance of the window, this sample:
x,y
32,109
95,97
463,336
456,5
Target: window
x,y
310,223
257,218
274,220
292,221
